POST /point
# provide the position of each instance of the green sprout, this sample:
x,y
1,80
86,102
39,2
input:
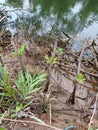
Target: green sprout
x,y
6,88
1,128
59,51
17,109
80,78
50,59
93,128
20,52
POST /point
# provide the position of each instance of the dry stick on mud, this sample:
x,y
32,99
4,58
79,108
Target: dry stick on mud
x,y
31,122
94,54
74,68
75,55
75,83
47,87
95,107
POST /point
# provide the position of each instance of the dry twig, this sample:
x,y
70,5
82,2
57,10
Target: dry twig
x,y
31,122
95,105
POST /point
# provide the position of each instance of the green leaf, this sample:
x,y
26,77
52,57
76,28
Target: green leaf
x,y
26,85
13,53
54,60
1,128
80,78
35,90
19,107
59,51
21,50
13,115
50,59
91,128
35,73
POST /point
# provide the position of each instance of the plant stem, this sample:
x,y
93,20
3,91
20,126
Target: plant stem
x,y
21,64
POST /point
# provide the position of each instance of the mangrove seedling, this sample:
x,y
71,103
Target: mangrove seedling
x,y
50,59
19,53
93,128
80,78
59,51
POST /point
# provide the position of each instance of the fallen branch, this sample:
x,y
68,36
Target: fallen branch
x,y
94,55
81,70
31,122
95,106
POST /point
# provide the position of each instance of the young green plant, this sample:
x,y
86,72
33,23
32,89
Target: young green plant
x,y
50,59
18,94
6,89
80,78
26,84
19,53
59,51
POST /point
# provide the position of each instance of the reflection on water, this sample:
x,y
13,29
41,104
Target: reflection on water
x,y
77,8
55,16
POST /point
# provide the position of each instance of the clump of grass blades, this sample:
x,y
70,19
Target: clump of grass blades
x,y
27,84
6,89
19,91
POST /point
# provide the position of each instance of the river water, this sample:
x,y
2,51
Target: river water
x,y
76,17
